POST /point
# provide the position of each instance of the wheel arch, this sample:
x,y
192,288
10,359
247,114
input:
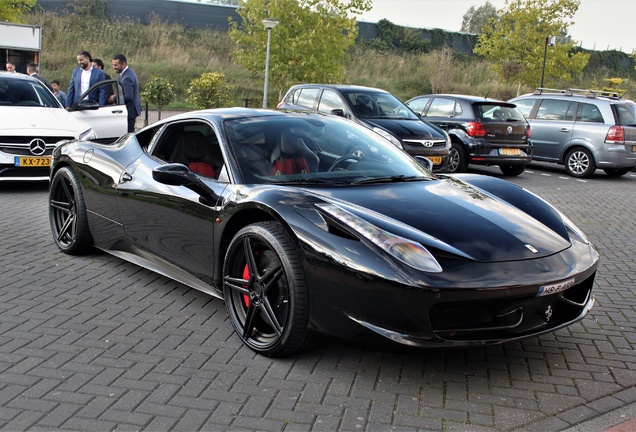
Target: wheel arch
x,y
576,145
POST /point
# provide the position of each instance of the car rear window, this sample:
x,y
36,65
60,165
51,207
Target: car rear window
x,y
497,112
625,114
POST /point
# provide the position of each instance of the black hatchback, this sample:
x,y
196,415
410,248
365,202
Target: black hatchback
x,y
483,131
378,110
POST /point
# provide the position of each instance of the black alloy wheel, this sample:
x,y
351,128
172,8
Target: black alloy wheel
x,y
265,290
67,213
579,162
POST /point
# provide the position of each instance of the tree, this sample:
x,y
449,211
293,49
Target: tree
x,y
309,44
515,42
158,92
209,91
12,10
475,19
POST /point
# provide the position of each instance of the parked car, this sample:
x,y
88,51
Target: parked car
x,y
33,121
582,129
483,131
378,110
306,223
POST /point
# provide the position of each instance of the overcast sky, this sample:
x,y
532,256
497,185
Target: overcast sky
x,y
599,24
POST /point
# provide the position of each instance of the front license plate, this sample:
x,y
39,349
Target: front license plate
x,y
435,159
555,288
510,151
634,149
42,161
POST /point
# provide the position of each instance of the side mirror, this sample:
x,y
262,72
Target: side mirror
x,y
176,174
339,112
425,162
87,104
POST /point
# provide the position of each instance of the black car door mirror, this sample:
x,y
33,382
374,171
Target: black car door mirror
x,y
176,174
338,111
87,104
425,162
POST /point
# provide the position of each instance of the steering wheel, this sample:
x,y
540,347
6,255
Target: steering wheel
x,y
341,159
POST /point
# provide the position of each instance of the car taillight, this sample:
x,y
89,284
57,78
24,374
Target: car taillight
x,y
475,129
528,132
615,135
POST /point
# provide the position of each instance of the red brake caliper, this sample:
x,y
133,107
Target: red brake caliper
x,y
246,275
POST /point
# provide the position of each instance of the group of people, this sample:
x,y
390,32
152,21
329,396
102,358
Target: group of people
x,y
89,72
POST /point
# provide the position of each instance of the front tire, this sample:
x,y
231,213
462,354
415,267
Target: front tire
x,y
579,162
512,169
67,213
265,290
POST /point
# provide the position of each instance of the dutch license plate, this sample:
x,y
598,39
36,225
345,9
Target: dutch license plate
x,y
510,151
634,149
555,288
24,161
435,159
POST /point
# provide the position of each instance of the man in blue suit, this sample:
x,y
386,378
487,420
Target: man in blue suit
x,y
130,86
83,78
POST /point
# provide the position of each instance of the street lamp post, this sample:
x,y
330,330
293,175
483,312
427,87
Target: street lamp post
x,y
549,40
269,24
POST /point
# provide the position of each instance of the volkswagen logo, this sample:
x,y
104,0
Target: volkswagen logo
x,y
509,130
37,146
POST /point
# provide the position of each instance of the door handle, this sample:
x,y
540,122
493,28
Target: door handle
x,y
117,111
564,130
125,177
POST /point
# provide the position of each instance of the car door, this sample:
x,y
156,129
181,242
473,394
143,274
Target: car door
x,y
109,122
552,123
170,223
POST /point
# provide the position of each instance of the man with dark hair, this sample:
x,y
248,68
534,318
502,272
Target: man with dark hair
x,y
10,66
99,64
83,78
130,86
32,70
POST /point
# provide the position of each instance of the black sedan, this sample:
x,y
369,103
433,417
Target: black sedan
x,y
307,224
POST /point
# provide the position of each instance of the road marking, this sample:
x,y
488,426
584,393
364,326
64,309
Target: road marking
x,y
547,175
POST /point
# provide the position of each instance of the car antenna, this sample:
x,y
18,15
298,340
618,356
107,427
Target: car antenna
x,y
487,93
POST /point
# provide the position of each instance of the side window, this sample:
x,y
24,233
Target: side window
x,y
441,107
553,109
588,113
418,104
194,145
525,106
307,97
330,100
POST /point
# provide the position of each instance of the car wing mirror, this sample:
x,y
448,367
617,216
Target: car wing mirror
x,y
87,104
425,162
338,111
176,174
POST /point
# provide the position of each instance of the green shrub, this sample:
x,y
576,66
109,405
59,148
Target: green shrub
x,y
209,91
158,92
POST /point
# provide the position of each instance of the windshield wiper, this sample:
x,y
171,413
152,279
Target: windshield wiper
x,y
392,179
304,181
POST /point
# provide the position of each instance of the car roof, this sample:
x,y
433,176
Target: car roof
x,y
16,75
569,93
342,87
469,98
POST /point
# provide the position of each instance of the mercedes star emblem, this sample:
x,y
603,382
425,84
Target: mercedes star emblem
x,y
37,146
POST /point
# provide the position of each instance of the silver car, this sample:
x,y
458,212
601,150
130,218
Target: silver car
x,y
582,129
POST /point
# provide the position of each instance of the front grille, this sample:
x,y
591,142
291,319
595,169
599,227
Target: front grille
x,y
511,317
426,143
24,172
5,139
24,150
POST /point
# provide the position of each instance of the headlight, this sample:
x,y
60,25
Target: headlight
x,y
569,225
388,136
407,251
88,134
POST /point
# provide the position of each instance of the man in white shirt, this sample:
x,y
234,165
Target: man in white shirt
x,y
83,78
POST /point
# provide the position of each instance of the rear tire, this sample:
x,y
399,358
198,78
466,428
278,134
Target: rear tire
x,y
265,290
457,159
67,213
512,169
616,172
579,162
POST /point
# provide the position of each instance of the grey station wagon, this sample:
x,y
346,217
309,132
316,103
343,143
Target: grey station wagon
x,y
582,129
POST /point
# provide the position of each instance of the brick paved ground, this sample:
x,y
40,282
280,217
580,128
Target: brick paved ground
x,y
94,343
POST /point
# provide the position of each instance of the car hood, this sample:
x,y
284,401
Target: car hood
x,y
408,129
452,216
47,121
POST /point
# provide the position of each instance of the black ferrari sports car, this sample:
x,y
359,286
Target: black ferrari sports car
x,y
306,224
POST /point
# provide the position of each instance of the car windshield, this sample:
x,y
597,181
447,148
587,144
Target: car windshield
x,y
21,92
316,149
626,114
497,112
378,105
